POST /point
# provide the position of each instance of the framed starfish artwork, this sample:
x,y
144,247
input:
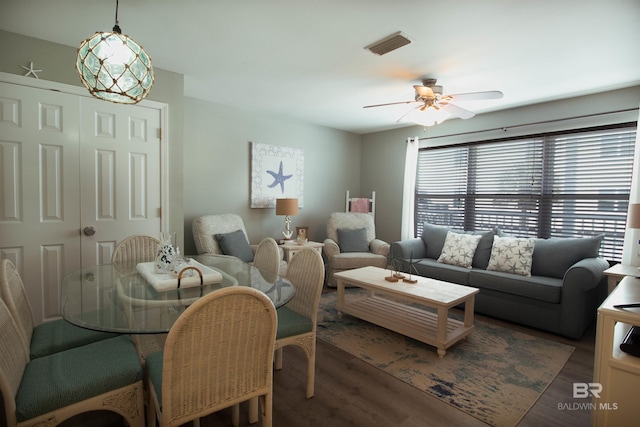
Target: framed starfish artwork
x,y
276,173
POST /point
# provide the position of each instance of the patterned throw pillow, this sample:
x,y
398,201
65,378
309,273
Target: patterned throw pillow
x,y
458,249
512,255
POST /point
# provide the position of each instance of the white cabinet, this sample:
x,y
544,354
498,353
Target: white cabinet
x,y
617,372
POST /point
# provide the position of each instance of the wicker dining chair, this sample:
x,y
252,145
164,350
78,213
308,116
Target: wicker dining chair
x,y
48,337
104,375
200,372
133,250
297,319
267,258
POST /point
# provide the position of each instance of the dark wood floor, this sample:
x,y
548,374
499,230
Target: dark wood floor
x,y
350,392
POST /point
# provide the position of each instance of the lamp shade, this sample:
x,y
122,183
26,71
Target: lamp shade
x,y
634,216
114,67
287,207
428,116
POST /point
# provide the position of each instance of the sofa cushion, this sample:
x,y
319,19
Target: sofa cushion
x,y
435,270
458,249
546,289
353,240
349,260
553,257
512,255
235,244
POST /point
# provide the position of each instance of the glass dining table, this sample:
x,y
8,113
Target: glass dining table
x,y
118,298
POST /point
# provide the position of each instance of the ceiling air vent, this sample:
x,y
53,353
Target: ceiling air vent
x,y
386,45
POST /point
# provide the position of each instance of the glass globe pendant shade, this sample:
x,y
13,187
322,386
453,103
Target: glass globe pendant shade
x,y
114,67
428,116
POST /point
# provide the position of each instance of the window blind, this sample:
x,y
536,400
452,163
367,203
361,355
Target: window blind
x,y
569,184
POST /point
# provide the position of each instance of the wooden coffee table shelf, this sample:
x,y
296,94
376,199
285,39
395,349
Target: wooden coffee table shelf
x,y
400,306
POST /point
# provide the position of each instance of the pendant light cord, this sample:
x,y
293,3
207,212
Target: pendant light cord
x,y
116,27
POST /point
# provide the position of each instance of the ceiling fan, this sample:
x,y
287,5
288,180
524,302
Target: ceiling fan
x,y
435,107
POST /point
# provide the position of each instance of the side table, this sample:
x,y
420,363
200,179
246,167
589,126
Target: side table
x,y
290,249
618,272
616,374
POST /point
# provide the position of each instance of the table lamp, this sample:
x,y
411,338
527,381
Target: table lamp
x,y
287,207
634,217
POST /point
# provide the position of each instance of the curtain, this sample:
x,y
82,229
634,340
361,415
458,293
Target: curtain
x,y
409,189
631,249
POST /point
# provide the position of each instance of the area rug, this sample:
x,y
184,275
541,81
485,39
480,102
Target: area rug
x,y
496,374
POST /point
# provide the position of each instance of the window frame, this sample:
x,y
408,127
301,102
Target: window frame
x,y
460,208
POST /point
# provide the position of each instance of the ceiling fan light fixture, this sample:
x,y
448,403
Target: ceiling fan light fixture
x,y
113,67
388,44
428,116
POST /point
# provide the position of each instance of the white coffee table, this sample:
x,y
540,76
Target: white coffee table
x,y
400,306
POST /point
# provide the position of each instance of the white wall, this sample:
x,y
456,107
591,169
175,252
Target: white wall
x,y
217,168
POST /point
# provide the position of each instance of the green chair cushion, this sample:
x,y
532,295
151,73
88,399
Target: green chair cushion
x,y
60,335
61,379
291,323
153,363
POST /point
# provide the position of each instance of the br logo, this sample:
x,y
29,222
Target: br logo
x,y
584,390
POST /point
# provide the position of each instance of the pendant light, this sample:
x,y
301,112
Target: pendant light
x,y
114,67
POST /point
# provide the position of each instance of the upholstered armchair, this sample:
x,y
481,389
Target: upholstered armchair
x,y
351,243
225,234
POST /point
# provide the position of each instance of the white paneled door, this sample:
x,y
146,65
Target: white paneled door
x,y
119,175
77,176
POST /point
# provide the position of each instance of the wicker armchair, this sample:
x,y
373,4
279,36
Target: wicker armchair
x,y
46,338
200,372
104,375
297,319
206,227
371,251
134,249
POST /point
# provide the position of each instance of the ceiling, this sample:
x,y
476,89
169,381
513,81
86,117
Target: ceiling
x,y
305,59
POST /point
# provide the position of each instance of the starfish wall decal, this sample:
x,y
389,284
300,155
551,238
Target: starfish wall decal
x,y
31,71
278,178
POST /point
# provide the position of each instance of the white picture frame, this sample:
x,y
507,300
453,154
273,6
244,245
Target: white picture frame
x,y
276,173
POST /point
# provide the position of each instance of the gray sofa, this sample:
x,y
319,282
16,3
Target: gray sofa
x,y
562,294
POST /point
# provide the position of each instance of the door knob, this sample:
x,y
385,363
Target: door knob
x,y
89,231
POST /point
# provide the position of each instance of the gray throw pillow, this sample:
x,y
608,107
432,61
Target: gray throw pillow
x,y
433,237
483,251
235,244
553,257
353,240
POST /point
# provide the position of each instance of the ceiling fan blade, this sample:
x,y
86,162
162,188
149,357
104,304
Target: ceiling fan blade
x,y
406,116
389,103
456,111
475,96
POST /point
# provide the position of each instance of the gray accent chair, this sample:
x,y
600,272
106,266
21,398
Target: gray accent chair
x,y
341,255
